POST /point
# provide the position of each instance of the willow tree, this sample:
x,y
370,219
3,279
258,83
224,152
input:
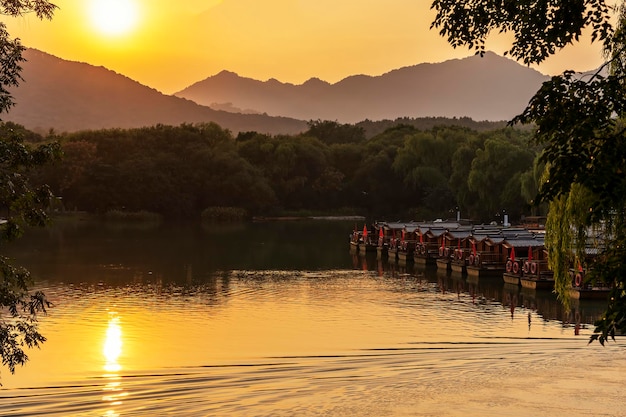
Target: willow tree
x,y
20,202
578,122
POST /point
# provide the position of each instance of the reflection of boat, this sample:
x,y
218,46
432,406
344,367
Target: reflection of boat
x,y
510,294
510,289
473,279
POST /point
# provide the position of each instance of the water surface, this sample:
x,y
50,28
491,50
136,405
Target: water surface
x,y
279,319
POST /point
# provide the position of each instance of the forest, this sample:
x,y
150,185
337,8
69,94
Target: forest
x,y
404,172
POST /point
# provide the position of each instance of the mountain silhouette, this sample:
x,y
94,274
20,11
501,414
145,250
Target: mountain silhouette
x,y
69,96
482,88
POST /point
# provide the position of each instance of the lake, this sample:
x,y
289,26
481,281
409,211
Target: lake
x,y
279,319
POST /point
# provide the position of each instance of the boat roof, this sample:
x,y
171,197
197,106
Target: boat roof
x,y
459,234
508,236
523,243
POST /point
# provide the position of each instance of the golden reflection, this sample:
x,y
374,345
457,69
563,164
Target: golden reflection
x,y
112,349
113,345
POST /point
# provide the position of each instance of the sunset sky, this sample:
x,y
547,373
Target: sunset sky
x,y
169,45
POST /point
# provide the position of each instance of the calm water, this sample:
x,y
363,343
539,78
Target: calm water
x,y
278,319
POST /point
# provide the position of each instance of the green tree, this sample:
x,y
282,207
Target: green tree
x,y
333,133
425,164
468,201
531,181
371,182
579,121
495,177
22,203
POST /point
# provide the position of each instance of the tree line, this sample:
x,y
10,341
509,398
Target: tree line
x,y
402,173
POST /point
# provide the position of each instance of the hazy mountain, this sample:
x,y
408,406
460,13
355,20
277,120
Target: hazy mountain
x,y
70,96
487,88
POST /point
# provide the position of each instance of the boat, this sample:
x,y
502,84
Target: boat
x,y
361,242
445,258
405,250
355,238
536,273
585,290
488,258
407,244
521,244
462,251
428,237
390,241
382,247
543,281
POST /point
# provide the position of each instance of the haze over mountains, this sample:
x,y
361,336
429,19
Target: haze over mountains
x,y
70,96
488,88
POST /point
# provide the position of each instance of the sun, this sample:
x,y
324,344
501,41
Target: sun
x,y
113,17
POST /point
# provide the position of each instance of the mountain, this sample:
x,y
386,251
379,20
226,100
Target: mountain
x,y
482,88
69,96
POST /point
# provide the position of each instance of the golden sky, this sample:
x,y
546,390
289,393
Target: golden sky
x,y
169,45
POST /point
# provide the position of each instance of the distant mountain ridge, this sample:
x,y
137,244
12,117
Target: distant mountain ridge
x,y
69,96
482,88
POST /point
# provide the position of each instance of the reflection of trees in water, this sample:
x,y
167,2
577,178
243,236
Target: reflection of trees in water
x,y
181,253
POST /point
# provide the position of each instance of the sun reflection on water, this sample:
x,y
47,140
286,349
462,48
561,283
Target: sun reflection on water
x,y
112,349
113,345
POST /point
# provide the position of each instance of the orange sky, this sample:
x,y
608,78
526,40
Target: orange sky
x,y
169,45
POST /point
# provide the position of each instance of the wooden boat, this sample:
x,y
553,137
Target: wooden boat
x,y
537,275
488,257
405,251
462,250
391,241
392,249
586,290
511,279
406,248
361,242
382,246
590,293
355,238
445,255
428,246
513,270
543,281
523,247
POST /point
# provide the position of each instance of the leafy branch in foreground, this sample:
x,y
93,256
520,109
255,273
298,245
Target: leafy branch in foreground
x,y
23,205
579,121
20,203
